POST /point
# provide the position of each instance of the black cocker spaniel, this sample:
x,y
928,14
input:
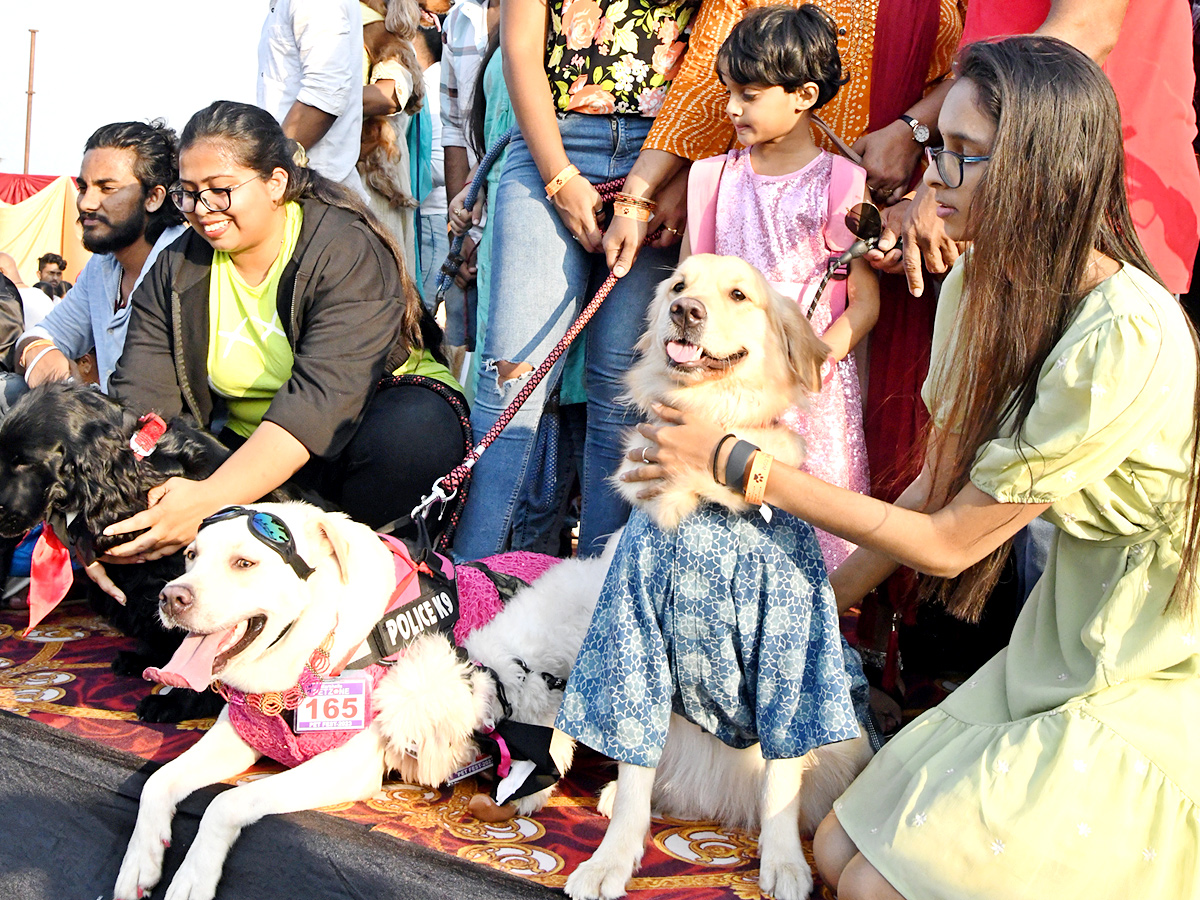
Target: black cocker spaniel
x,y
65,458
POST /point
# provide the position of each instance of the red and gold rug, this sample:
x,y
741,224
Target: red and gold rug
x,y
59,675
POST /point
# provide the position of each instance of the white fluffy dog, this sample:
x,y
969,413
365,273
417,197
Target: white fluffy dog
x,y
438,701
258,624
722,342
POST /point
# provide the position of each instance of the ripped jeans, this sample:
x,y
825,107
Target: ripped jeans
x,y
541,278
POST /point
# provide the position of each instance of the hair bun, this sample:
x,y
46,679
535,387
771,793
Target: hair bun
x,y
299,156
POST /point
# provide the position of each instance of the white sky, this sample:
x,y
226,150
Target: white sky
x,y
101,61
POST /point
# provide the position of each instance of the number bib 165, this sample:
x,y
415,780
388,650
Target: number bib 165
x,y
340,704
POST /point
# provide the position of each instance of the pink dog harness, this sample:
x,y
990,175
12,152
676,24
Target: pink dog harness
x,y
479,600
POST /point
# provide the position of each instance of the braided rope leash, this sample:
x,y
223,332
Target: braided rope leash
x,y
446,487
450,267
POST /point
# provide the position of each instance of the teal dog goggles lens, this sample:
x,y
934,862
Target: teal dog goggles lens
x,y
271,530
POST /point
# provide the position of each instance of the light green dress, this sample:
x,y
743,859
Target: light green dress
x,y
1067,766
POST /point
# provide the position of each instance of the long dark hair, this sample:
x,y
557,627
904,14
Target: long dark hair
x,y
1053,192
479,100
257,142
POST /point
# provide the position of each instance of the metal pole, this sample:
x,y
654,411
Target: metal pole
x,y
29,96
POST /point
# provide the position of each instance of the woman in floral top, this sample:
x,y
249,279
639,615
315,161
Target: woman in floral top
x,y
586,78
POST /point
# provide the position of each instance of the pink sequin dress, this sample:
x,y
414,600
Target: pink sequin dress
x,y
777,226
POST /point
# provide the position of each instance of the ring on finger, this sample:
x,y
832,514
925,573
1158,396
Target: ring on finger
x,y
645,459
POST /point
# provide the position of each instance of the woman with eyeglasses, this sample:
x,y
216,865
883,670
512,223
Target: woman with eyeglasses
x,y
1063,385
272,321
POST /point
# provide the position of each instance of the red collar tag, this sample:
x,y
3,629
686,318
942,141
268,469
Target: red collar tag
x,y
147,437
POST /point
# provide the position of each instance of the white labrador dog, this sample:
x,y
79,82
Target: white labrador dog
x,y
255,623
720,341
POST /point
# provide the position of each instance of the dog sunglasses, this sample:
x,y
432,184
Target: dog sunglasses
x,y
268,528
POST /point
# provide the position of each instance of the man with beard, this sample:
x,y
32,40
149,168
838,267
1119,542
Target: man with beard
x,y
126,217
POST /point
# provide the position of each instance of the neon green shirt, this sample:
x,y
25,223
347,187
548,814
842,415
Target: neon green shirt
x,y
249,357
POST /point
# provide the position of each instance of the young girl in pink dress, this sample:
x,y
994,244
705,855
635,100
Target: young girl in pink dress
x,y
780,204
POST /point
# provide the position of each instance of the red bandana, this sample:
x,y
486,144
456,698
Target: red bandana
x,y
49,575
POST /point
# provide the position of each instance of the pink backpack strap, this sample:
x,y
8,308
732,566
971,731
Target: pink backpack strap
x,y
703,181
847,184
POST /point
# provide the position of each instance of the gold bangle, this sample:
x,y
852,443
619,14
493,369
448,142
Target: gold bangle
x,y
625,211
555,184
756,482
634,200
32,346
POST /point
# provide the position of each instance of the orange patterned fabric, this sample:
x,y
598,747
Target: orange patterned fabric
x,y
59,675
692,122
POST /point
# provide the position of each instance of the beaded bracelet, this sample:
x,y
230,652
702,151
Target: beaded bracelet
x,y
735,466
717,453
554,185
756,483
629,211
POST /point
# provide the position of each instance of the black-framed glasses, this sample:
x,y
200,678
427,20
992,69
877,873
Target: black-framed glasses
x,y
268,528
950,164
215,199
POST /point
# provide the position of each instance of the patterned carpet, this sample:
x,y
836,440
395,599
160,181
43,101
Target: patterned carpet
x,y
59,675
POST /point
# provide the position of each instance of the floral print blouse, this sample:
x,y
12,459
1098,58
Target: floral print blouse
x,y
616,57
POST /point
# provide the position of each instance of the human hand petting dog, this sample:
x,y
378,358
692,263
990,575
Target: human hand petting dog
x,y
685,443
177,506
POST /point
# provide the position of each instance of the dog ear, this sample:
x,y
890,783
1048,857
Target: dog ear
x,y
331,529
805,351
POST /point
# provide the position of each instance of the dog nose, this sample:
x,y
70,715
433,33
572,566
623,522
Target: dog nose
x,y
688,311
176,598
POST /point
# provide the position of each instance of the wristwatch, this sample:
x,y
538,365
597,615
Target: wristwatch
x,y
919,130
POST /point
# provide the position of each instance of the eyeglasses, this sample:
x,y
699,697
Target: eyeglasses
x,y
950,164
268,528
218,199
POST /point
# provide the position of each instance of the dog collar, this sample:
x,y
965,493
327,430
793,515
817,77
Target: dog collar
x,y
146,438
272,703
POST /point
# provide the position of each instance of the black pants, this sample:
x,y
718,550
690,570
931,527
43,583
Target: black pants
x,y
408,438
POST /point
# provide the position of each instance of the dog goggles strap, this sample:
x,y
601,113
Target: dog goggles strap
x,y
268,528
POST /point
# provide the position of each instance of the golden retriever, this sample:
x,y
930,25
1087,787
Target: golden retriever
x,y
721,341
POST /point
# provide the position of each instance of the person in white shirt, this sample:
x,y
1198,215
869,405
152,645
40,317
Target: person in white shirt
x,y
310,78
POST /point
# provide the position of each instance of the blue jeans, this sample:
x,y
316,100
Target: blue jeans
x,y
12,389
435,245
541,278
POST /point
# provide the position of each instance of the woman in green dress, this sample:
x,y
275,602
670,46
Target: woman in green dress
x,y
1063,385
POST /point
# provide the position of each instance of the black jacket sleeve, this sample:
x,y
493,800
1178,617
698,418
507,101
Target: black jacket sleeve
x,y
12,323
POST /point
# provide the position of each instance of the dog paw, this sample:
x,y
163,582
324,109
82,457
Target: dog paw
x,y
608,796
785,879
194,881
598,879
142,866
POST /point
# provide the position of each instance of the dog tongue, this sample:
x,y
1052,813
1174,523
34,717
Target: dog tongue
x,y
683,353
192,664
